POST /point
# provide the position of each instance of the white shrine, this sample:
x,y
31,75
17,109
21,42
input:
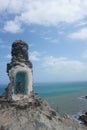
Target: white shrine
x,y
19,72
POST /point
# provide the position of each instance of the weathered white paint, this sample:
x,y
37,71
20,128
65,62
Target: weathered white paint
x,y
12,75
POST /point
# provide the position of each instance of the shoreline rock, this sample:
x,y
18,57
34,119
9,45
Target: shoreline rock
x,y
83,118
83,97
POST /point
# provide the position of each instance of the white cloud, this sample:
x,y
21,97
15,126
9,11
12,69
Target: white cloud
x,y
11,6
8,56
81,23
12,26
81,34
47,12
64,69
32,31
56,11
62,63
51,39
59,68
61,32
34,56
54,40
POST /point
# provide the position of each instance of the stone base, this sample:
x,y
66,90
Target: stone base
x,y
17,97
33,114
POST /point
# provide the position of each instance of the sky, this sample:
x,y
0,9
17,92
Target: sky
x,y
56,32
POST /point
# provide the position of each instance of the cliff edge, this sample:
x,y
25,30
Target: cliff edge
x,y
33,113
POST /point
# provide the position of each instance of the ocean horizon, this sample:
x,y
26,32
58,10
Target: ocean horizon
x,y
64,97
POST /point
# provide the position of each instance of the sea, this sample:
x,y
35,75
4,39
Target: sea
x,y
64,97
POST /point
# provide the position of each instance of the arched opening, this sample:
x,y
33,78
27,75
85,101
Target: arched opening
x,y
20,85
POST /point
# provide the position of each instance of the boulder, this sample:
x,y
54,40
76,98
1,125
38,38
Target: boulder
x,y
83,118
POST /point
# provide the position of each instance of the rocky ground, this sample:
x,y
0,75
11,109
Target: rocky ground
x,y
33,114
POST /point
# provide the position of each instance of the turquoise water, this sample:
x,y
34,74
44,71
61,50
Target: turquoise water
x,y
55,89
63,97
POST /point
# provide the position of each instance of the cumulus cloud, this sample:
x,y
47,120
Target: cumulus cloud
x,y
62,63
64,68
56,11
34,56
12,26
11,6
47,12
60,67
81,23
81,34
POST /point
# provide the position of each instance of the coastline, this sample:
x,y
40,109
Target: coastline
x,y
33,113
69,104
65,103
73,104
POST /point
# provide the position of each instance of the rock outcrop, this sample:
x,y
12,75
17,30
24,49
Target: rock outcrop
x,y
19,71
83,118
33,114
19,54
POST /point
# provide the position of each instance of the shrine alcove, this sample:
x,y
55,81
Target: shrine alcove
x,y
20,84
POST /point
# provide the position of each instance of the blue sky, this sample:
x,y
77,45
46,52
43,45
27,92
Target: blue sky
x,y
56,31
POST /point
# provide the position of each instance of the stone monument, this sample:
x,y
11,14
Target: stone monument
x,y
20,72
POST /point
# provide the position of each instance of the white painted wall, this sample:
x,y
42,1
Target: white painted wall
x,y
12,75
